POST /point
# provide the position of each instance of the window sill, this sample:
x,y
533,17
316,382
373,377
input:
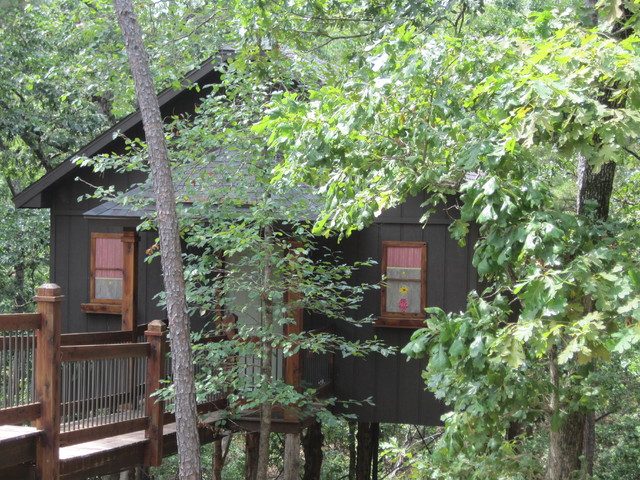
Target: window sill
x,y
412,323
104,308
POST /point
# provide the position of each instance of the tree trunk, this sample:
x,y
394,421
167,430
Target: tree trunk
x,y
375,447
217,461
292,461
566,447
363,453
266,354
21,301
251,455
312,444
572,442
574,439
352,451
595,188
589,443
170,249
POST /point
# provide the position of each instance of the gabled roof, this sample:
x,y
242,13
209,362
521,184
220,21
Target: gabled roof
x,y
31,197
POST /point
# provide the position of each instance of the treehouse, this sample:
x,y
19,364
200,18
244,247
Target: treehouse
x,y
110,299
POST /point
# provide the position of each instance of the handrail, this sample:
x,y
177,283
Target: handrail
x,y
19,321
94,338
76,353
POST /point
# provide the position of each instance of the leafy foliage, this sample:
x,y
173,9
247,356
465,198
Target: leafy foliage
x,y
498,120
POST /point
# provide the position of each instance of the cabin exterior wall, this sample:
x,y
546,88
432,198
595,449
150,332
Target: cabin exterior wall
x,y
70,253
394,384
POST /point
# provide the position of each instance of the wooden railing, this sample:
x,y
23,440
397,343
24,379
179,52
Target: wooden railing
x,y
80,387
77,388
17,375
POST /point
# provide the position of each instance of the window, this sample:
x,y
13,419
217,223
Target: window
x,y
404,293
108,268
111,274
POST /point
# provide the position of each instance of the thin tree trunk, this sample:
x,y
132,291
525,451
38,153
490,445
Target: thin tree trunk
x,y
170,249
266,354
565,441
363,452
375,447
292,461
312,442
252,441
352,451
217,461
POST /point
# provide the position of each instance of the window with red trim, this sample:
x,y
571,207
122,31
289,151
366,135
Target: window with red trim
x,y
404,291
111,274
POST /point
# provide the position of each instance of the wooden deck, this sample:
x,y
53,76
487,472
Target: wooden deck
x,y
89,398
97,457
112,454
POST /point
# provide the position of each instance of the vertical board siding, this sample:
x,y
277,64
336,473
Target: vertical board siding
x,y
395,384
364,368
386,373
410,393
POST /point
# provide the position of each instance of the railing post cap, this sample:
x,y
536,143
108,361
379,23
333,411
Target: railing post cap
x,y
156,326
49,291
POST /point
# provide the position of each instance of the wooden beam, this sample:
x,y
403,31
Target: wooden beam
x,y
104,308
25,471
19,321
89,434
47,363
18,445
19,415
94,338
103,462
130,242
76,353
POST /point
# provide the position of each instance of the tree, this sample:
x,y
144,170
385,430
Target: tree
x,y
501,119
170,249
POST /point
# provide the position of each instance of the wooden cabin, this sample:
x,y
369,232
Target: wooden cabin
x,y
108,288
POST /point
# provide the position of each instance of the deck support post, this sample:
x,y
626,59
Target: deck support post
x,y
251,455
47,365
375,450
155,335
292,460
364,451
292,364
312,442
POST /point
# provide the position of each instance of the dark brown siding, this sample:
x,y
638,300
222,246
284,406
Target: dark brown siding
x,y
394,384
70,231
71,272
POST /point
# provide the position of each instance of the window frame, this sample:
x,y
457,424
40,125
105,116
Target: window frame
x,y
124,306
400,319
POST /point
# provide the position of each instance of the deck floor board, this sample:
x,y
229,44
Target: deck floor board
x,y
15,432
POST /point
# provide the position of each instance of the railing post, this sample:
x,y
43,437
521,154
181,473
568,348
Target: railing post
x,y
155,409
47,367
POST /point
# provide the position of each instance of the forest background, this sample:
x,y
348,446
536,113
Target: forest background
x,y
421,93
